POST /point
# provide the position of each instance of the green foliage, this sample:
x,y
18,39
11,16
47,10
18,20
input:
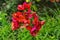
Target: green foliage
x,y
2,18
28,0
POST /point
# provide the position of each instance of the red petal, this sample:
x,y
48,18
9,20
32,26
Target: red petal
x,y
15,25
35,21
20,7
35,15
26,5
42,22
34,31
19,13
28,28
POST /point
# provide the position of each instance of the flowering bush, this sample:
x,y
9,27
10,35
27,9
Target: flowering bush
x,y
27,18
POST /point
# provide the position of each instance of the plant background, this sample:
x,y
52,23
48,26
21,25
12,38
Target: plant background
x,y
48,11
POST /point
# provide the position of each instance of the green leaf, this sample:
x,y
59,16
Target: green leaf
x,y
34,7
38,0
28,0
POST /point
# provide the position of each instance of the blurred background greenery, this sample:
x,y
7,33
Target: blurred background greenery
x,y
47,10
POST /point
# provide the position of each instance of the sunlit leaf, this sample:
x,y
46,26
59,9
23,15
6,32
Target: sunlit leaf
x,y
28,0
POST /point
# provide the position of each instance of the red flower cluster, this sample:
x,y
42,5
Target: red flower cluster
x,y
26,18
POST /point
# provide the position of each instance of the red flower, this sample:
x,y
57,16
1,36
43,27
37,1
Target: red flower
x,y
28,28
28,13
35,21
21,18
15,24
26,22
42,23
18,16
37,27
26,5
20,7
25,17
35,15
34,31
